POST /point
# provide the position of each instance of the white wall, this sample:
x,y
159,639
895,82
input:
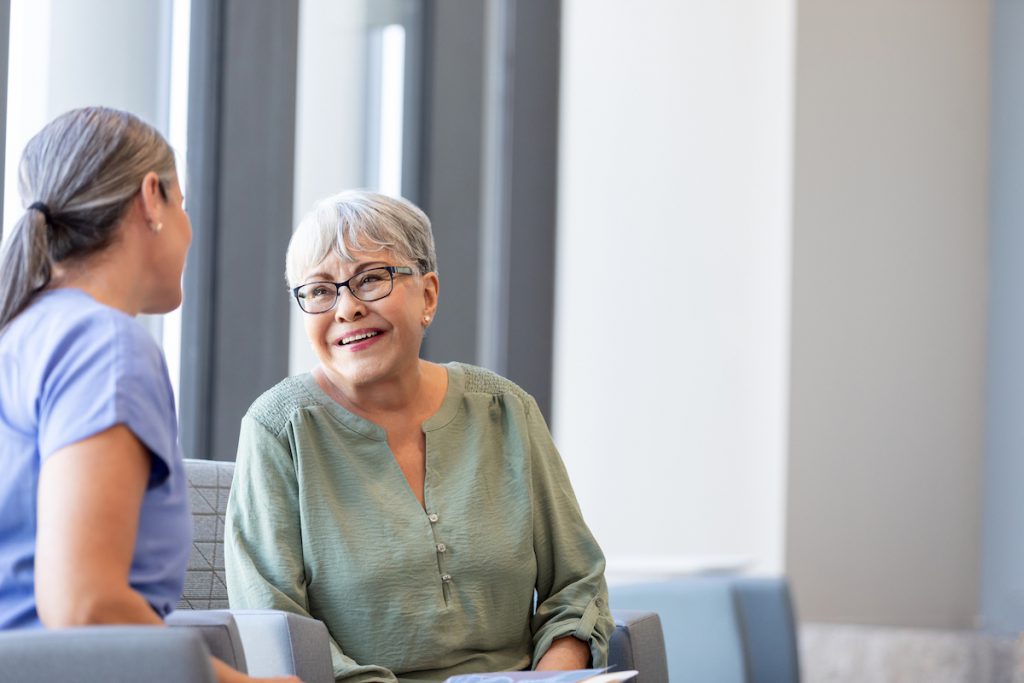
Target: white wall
x,y
889,295
673,271
69,53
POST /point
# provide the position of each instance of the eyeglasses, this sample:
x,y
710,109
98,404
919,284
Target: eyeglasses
x,y
369,285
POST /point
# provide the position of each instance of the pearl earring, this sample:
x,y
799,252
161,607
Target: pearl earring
x,y
426,319
156,227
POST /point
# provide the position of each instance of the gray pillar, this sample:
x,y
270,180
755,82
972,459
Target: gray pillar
x,y
526,220
490,183
240,182
450,183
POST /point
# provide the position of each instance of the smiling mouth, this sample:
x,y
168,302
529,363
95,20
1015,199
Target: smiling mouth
x,y
357,338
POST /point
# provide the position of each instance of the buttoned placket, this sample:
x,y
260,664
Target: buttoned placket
x,y
440,547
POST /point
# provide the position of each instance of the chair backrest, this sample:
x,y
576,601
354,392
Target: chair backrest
x,y
638,644
728,629
703,641
209,482
768,627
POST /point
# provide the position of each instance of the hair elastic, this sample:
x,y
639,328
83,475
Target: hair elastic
x,y
41,208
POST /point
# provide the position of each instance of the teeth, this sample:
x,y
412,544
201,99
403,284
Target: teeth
x,y
358,337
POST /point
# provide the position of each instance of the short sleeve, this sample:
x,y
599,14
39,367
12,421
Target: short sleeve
x,y
106,371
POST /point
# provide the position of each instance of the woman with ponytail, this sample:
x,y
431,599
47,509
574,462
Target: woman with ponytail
x,y
94,510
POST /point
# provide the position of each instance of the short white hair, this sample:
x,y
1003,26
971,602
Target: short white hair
x,y
360,220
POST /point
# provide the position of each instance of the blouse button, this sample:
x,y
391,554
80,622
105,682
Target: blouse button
x,y
441,547
446,577
433,517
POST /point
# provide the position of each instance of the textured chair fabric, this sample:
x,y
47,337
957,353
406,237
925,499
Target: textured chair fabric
x,y
105,654
637,644
219,631
702,634
768,628
209,483
287,644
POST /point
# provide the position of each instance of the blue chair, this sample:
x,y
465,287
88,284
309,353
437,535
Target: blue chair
x,y
702,635
725,629
768,625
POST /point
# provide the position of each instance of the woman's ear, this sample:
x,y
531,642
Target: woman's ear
x,y
152,195
431,286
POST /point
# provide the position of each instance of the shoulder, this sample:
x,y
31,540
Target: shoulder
x,y
276,407
74,315
477,380
67,328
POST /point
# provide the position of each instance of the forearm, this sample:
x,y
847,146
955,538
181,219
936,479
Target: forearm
x,y
84,605
565,654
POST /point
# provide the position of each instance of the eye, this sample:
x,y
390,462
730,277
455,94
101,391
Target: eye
x,y
318,292
370,279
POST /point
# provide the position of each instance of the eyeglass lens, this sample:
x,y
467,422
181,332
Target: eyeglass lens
x,y
369,285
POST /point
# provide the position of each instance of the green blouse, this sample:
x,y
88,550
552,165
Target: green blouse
x,y
322,522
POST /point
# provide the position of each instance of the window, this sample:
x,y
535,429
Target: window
x,y
118,53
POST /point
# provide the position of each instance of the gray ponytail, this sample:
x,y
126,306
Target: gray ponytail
x,y
85,166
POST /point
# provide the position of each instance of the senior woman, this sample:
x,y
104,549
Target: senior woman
x,y
421,511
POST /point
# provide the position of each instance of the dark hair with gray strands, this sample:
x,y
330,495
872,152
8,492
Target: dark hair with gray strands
x,y
85,166
364,221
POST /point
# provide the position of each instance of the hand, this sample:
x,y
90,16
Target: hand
x,y
225,674
565,654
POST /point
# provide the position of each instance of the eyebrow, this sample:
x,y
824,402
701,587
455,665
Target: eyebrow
x,y
327,277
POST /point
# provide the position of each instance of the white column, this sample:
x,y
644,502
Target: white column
x,y
673,278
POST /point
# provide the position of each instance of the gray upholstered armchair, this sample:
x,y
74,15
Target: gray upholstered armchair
x,y
105,654
259,642
268,642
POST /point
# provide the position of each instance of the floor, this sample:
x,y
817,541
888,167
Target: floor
x,y
858,654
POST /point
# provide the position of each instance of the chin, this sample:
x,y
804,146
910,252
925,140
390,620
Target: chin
x,y
362,374
164,304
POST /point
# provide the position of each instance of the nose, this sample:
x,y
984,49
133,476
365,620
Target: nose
x,y
349,307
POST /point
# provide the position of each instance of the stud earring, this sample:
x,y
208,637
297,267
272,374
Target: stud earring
x,y
156,227
426,319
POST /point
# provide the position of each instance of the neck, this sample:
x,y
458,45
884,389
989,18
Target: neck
x,y
407,393
105,277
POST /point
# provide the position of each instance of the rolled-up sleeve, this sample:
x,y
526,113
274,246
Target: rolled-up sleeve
x,y
572,596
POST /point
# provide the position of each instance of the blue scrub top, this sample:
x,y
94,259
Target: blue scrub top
x,y
71,368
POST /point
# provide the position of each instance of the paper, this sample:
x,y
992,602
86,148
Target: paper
x,y
575,676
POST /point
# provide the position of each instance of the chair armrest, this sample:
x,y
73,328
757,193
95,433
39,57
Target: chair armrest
x,y
217,629
101,654
638,643
279,643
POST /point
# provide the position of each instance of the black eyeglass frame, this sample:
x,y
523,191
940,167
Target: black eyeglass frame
x,y
392,272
